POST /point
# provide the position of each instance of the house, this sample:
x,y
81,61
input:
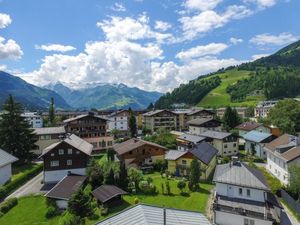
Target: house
x,y
246,127
179,162
64,189
262,109
70,155
6,160
33,118
119,120
226,143
255,142
241,111
139,153
181,120
282,152
147,214
197,113
92,128
187,141
109,195
157,119
198,126
243,197
46,136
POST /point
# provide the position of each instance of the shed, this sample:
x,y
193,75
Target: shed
x,y
109,194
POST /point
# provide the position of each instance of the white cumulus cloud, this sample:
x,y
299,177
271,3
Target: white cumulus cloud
x,y
118,7
201,5
261,4
9,49
202,50
235,41
161,25
55,47
5,20
276,40
258,56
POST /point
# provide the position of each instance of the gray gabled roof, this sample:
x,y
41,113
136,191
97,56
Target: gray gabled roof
x,y
49,130
152,215
74,141
256,136
6,158
191,138
201,121
83,116
174,154
204,152
215,134
240,174
105,193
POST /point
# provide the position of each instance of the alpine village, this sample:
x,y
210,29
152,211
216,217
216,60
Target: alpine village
x,y
220,149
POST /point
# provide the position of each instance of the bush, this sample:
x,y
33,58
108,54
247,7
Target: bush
x,y
71,219
1,214
136,201
2,192
8,204
22,179
51,212
147,188
160,165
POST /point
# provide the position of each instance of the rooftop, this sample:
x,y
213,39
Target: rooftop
x,y
66,187
191,138
49,130
204,152
256,136
106,192
74,141
248,126
153,215
240,174
6,158
154,112
133,143
83,116
174,154
215,134
200,121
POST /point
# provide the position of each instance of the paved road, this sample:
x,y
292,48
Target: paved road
x,y
33,186
287,218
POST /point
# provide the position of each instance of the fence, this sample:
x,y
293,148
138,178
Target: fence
x,y
290,201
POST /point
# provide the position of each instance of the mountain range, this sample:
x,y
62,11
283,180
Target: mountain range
x,y
104,96
273,77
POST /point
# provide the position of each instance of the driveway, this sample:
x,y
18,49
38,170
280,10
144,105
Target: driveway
x,y
33,186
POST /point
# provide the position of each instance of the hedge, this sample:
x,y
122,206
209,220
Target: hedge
x,y
8,188
7,205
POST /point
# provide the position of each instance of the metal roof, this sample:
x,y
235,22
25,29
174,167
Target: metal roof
x,y
174,154
152,215
106,192
6,158
204,152
49,130
74,141
191,138
256,136
215,134
240,174
66,187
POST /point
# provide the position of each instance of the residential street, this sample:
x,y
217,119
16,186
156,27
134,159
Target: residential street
x,y
33,186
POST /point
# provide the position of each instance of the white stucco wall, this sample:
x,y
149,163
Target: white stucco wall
x,y
119,123
233,191
5,173
57,175
277,167
223,218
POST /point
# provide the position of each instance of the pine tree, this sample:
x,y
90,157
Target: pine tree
x,y
16,137
123,177
150,106
230,119
195,174
80,204
110,179
52,113
132,123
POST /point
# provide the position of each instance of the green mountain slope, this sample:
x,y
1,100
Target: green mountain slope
x,y
32,97
274,77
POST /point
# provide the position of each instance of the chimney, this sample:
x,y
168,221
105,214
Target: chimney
x,y
165,216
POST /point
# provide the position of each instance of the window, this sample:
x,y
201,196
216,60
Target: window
x,y
69,162
61,151
248,193
52,154
225,146
240,191
143,151
70,151
77,152
54,163
130,153
234,145
248,222
183,161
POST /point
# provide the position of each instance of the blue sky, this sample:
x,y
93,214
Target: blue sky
x,y
151,44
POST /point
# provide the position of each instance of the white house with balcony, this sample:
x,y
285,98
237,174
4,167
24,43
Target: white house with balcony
x,y
33,118
282,152
119,121
243,197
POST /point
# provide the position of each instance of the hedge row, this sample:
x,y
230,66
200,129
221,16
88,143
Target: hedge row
x,y
8,188
7,205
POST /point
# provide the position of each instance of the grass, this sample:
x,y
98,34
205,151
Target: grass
x,y
218,97
195,201
31,209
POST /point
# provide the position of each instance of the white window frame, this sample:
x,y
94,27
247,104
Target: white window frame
x,y
54,163
70,151
61,151
69,162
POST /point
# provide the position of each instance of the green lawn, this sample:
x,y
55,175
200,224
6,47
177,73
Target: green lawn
x,y
31,210
218,97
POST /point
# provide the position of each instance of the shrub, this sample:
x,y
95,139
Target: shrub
x,y
168,187
181,185
8,204
147,188
160,165
51,212
71,219
2,192
136,201
1,214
